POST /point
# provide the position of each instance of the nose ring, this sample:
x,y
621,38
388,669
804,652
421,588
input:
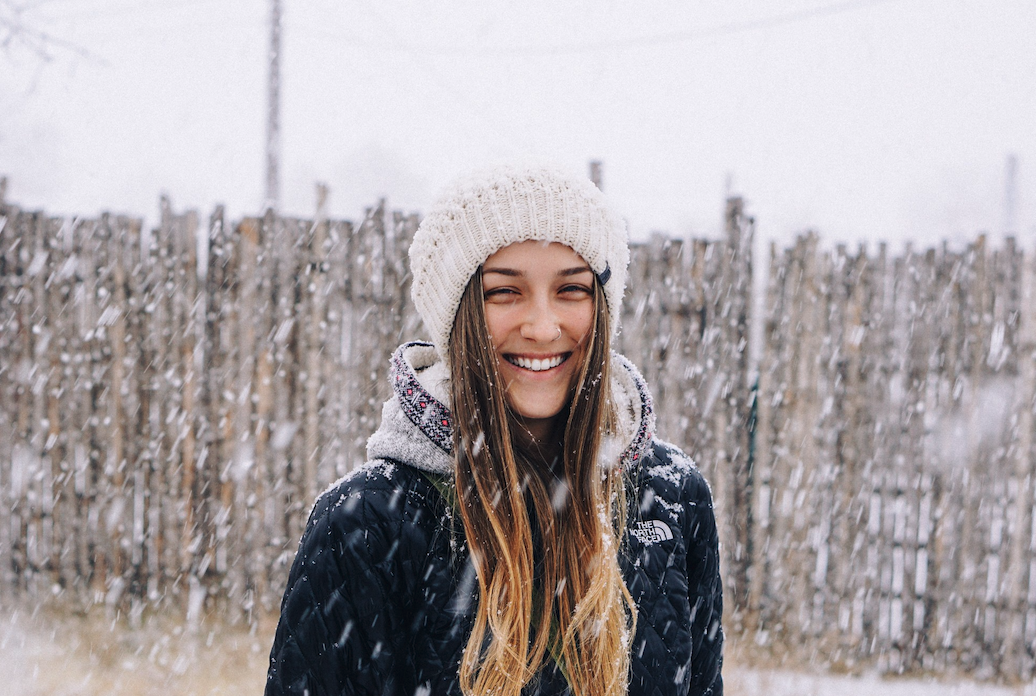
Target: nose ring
x,y
559,334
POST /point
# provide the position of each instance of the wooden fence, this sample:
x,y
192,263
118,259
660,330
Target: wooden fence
x,y
894,459
163,432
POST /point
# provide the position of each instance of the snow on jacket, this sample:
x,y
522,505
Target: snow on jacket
x,y
381,596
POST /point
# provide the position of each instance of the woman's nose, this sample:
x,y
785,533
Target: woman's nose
x,y
541,325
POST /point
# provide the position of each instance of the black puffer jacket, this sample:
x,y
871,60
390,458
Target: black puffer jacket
x,y
380,598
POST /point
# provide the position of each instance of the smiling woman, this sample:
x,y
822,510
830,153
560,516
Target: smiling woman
x,y
586,561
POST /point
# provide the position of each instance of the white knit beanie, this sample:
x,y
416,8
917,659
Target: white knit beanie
x,y
487,211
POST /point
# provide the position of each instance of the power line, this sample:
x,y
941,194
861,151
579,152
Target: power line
x,y
728,29
485,123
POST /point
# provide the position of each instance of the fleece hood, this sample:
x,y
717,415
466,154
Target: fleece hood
x,y
416,423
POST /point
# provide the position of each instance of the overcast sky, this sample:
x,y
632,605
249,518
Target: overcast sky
x,y
880,119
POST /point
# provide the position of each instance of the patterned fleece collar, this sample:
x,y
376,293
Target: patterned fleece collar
x,y
417,424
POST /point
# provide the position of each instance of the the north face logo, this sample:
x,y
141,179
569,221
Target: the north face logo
x,y
652,531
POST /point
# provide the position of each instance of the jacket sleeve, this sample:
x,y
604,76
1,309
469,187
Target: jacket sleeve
x,y
340,613
706,591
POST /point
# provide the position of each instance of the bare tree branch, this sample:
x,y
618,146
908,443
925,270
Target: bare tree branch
x,y
18,32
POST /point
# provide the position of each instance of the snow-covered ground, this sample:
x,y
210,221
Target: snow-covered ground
x,y
84,656
77,656
753,682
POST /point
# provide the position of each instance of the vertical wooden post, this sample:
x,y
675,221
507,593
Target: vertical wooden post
x,y
235,455
187,323
8,389
803,445
873,617
692,431
763,585
218,394
973,540
733,306
851,415
127,237
76,406
314,294
17,337
335,423
1020,582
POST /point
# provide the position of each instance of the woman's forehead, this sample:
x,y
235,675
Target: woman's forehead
x,y
534,253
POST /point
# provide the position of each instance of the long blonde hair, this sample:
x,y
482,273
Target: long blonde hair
x,y
565,594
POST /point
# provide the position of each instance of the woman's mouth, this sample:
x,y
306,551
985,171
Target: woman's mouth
x,y
537,364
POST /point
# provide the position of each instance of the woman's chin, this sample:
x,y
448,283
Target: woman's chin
x,y
533,410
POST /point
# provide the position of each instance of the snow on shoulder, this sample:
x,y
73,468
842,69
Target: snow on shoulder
x,y
677,469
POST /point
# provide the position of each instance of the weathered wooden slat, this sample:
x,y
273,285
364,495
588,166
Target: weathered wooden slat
x,y
9,369
16,339
734,301
313,320
975,523
830,612
1019,575
218,394
802,445
235,453
862,371
188,306
763,566
289,378
335,421
76,409
824,478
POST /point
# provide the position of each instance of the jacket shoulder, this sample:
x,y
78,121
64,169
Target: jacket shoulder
x,y
363,490
671,470
385,500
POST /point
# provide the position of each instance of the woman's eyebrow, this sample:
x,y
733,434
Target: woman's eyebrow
x,y
504,271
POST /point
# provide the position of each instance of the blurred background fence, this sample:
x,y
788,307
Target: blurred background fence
x,y
164,431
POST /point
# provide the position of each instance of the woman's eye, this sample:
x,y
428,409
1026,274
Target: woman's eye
x,y
499,293
576,289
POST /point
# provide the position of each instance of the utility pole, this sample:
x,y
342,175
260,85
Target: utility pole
x,y
273,116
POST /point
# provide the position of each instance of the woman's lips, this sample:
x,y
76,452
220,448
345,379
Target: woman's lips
x,y
537,364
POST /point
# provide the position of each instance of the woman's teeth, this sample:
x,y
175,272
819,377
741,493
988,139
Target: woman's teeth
x,y
537,365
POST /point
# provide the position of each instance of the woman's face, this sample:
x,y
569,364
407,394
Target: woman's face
x,y
539,308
